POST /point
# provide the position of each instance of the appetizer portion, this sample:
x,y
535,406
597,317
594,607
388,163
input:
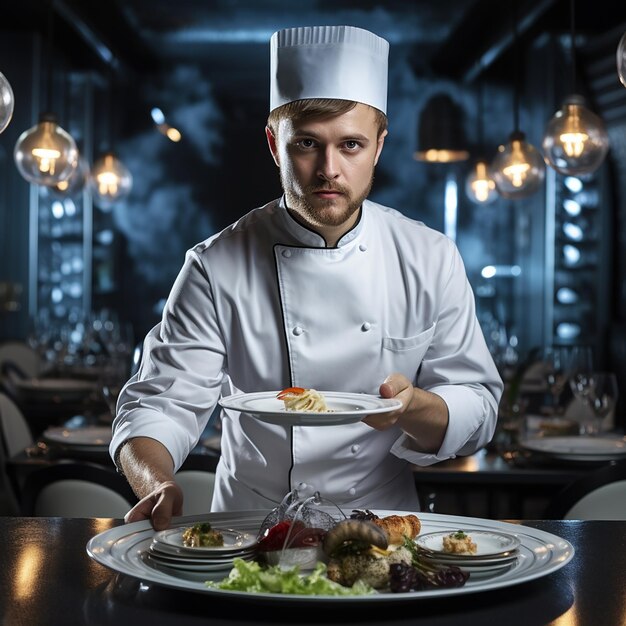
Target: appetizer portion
x,y
202,536
360,550
459,542
365,547
301,399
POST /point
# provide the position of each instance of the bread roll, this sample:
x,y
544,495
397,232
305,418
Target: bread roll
x,y
399,526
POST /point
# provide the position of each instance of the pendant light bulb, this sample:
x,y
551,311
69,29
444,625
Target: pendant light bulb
x,y
621,59
45,154
111,181
575,141
480,185
518,168
7,102
75,183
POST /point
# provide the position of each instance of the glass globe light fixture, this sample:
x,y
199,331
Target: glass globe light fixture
x,y
110,180
7,102
518,168
575,141
480,185
45,154
75,183
621,59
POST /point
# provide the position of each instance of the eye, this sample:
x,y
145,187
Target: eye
x,y
352,145
306,143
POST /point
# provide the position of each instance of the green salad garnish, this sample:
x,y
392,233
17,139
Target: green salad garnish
x,y
250,576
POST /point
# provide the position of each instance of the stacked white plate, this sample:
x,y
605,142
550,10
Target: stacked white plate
x,y
495,551
167,552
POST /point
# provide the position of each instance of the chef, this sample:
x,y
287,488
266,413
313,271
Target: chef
x,y
321,288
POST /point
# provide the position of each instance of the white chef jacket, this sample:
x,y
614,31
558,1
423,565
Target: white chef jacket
x,y
265,305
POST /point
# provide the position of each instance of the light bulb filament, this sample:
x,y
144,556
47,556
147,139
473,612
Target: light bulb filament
x,y
46,159
516,173
573,143
108,183
482,188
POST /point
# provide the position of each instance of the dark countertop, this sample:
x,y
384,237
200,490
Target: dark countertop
x,y
46,577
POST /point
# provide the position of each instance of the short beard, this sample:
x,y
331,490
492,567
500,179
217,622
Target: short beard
x,y
324,213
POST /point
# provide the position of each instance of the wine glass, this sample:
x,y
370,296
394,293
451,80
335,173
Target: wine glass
x,y
555,370
600,394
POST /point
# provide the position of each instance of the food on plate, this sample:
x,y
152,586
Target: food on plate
x,y
291,543
301,399
359,550
202,535
399,526
252,577
359,555
459,542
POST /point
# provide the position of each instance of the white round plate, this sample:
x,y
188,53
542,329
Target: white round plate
x,y
160,552
84,436
476,562
190,554
123,550
344,408
234,541
191,566
482,572
488,543
579,448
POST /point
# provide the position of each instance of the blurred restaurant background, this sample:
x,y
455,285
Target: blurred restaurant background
x,y
161,108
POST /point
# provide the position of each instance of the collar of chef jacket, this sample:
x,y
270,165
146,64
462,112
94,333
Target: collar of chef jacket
x,y
309,237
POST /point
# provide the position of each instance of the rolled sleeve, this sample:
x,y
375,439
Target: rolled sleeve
x,y
471,425
459,368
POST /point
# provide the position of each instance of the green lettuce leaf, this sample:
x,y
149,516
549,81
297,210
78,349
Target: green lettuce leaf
x,y
251,577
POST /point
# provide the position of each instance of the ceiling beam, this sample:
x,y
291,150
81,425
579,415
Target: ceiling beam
x,y
462,58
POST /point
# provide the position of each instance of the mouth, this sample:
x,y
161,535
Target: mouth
x,y
327,193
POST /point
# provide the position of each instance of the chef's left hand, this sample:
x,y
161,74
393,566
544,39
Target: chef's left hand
x,y
423,415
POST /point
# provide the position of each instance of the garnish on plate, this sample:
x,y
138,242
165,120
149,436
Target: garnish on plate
x,y
301,399
202,535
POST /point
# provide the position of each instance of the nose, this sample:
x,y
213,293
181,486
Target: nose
x,y
328,166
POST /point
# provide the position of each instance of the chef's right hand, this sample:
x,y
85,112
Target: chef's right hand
x,y
159,506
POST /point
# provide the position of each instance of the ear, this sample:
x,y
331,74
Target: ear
x,y
379,147
271,142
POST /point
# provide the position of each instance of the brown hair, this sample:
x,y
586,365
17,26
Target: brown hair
x,y
317,108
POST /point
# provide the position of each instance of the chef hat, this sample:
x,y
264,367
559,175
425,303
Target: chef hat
x,y
340,62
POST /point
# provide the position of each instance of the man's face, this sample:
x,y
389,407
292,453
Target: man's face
x,y
327,166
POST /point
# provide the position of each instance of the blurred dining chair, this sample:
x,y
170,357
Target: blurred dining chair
x,y
599,495
197,486
8,498
21,357
76,490
14,429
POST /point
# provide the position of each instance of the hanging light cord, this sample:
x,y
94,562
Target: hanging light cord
x,y
49,54
481,139
516,63
573,43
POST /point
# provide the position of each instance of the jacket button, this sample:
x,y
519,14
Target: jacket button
x,y
355,448
286,253
352,491
297,330
362,247
366,326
